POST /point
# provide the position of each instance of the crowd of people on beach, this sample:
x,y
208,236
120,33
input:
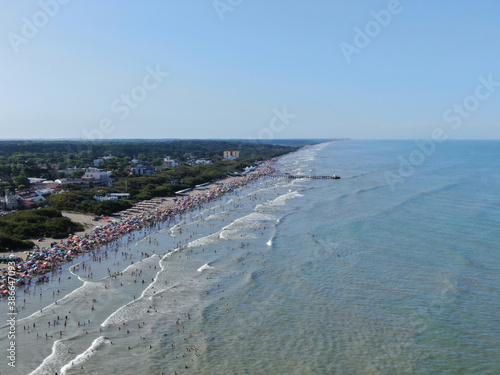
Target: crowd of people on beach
x,y
39,262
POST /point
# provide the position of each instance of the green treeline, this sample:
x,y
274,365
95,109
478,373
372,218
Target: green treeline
x,y
144,187
51,151
48,159
34,155
167,182
16,227
83,201
10,243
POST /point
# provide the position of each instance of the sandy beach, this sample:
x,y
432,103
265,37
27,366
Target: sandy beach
x,y
49,254
144,207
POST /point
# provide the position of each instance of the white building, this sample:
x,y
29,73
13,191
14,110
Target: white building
x,y
112,197
10,201
98,177
143,169
34,180
169,163
231,155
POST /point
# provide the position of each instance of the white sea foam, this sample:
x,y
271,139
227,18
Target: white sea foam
x,y
205,241
206,266
86,355
245,227
55,360
72,269
122,315
143,239
213,208
129,311
176,229
280,201
88,287
126,312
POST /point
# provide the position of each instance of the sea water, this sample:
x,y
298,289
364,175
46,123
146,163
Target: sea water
x,y
393,269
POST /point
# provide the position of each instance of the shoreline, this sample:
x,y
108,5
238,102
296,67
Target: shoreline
x,y
150,206
52,254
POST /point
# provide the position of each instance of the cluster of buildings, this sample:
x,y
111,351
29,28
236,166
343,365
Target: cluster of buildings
x,y
41,189
142,169
228,155
29,198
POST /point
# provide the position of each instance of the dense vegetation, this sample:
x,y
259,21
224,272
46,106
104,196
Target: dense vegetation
x,y
10,243
83,201
19,226
78,151
47,159
163,184
167,182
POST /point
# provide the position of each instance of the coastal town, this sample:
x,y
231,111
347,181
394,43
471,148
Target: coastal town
x,y
28,267
249,187
36,191
106,177
47,254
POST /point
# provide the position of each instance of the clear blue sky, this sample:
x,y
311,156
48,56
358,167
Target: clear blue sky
x,y
230,71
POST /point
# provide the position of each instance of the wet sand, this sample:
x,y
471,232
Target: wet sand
x,y
49,254
148,207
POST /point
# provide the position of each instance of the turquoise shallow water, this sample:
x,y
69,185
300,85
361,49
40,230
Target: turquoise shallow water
x,y
350,276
